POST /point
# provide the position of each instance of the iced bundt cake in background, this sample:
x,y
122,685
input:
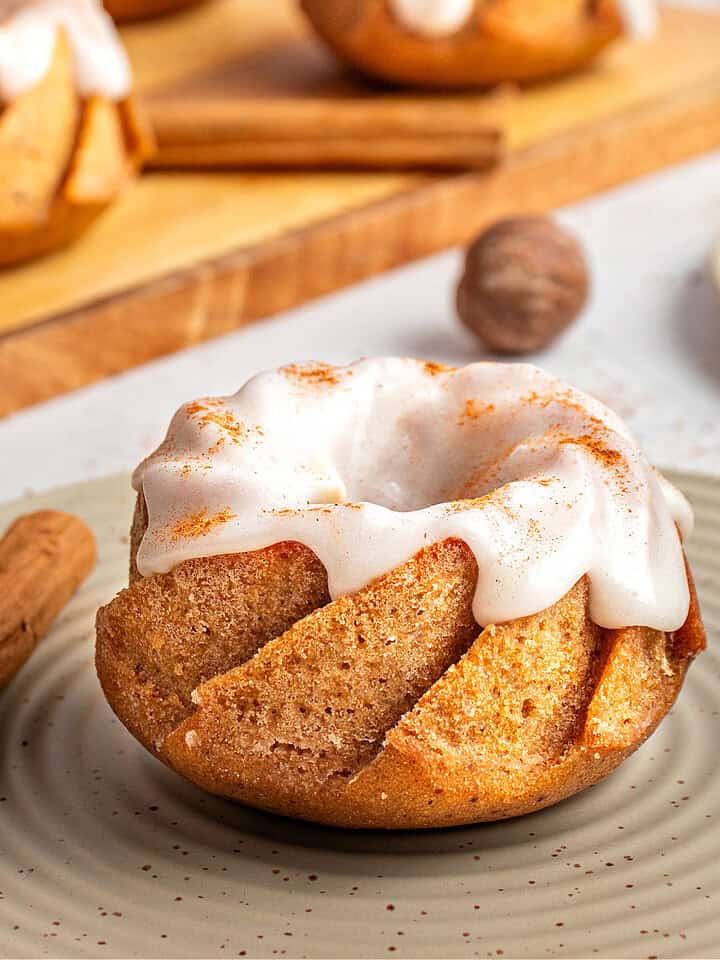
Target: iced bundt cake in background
x,y
462,43
70,135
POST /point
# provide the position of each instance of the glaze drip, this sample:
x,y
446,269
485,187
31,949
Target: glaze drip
x,y
28,34
369,463
442,18
432,18
639,16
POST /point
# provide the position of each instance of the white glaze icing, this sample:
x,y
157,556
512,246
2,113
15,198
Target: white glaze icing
x,y
639,16
367,464
28,34
440,18
432,18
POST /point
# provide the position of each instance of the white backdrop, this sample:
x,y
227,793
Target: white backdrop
x,y
649,343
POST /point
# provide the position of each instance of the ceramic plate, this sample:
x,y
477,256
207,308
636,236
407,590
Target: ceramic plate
x,y
106,853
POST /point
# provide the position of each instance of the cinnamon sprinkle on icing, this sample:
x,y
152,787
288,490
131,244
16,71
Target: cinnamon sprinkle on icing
x,y
231,428
433,369
566,399
200,406
495,498
606,455
320,374
199,524
474,409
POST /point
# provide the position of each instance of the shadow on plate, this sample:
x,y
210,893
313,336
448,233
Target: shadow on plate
x,y
697,330
211,818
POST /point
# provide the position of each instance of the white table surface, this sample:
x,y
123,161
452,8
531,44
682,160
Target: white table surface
x,y
648,344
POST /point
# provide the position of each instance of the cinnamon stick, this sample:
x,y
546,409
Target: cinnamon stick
x,y
409,133
44,557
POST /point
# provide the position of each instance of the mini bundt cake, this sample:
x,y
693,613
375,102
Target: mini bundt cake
x,y
458,43
396,594
70,134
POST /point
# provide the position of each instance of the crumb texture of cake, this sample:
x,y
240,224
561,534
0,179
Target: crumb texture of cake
x,y
166,635
392,704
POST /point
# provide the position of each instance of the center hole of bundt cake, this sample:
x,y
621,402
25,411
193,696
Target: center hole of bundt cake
x,y
397,467
403,479
382,491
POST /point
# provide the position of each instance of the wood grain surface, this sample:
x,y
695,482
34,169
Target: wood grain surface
x,y
190,255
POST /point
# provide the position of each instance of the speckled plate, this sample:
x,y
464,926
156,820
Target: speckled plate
x,y
106,853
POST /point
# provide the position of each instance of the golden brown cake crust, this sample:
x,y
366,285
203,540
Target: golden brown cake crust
x,y
165,635
507,40
389,708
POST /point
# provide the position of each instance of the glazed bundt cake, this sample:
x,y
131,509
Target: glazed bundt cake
x,y
396,594
70,134
459,43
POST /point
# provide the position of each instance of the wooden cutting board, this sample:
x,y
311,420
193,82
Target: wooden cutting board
x,y
189,255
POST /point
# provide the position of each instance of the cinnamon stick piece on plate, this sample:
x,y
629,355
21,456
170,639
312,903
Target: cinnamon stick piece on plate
x,y
44,557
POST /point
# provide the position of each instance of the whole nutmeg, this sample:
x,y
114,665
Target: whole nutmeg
x,y
525,281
